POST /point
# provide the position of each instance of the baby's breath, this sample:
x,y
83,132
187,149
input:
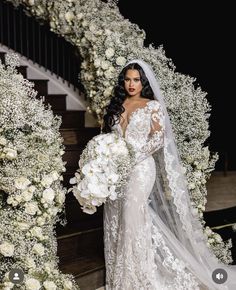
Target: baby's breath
x,y
31,193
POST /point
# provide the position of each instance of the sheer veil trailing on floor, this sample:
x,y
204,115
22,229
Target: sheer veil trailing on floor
x,y
171,209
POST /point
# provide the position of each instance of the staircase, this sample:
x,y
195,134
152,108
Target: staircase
x,y
80,242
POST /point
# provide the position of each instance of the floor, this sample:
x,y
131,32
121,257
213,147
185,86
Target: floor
x,y
221,191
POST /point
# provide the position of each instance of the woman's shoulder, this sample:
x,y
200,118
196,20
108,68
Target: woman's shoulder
x,y
153,104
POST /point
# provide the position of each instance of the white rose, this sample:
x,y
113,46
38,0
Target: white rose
x,y
52,211
29,262
48,267
79,16
218,239
37,232
107,92
8,286
3,141
7,249
42,157
84,23
32,284
38,249
120,60
48,195
27,194
97,62
31,208
52,24
69,16
61,197
107,32
47,181
49,285
93,28
40,221
10,153
31,2
109,52
67,285
191,185
21,182
23,226
54,175
110,72
105,64
18,198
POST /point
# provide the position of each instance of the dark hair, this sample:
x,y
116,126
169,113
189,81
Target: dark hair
x,y
115,107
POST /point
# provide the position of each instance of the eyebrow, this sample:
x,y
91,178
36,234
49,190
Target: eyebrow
x,y
136,78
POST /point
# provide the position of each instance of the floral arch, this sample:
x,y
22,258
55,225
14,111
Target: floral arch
x,y
106,41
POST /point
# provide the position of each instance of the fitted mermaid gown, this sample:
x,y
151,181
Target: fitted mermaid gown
x,y
137,248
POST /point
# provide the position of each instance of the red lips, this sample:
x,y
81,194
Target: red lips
x,y
131,90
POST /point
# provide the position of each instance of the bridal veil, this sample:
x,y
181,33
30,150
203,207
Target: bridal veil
x,y
171,207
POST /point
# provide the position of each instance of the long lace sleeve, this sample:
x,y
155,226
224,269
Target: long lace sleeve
x,y
156,134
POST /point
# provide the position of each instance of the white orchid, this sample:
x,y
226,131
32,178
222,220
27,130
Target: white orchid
x,y
100,173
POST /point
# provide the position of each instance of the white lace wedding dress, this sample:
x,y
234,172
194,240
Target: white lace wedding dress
x,y
138,248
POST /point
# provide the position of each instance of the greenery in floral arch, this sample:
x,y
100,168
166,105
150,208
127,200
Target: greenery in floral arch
x,y
31,193
106,41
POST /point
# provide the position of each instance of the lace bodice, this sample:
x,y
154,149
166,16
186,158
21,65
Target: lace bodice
x,y
145,130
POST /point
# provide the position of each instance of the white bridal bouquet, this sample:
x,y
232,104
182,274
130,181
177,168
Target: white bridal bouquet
x,y
103,171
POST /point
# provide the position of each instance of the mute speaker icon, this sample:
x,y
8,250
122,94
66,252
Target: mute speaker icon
x,y
219,276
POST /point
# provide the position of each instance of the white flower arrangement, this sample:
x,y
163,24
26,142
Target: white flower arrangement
x,y
31,193
215,241
106,41
103,171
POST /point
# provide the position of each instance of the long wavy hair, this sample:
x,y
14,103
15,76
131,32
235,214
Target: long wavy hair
x,y
115,107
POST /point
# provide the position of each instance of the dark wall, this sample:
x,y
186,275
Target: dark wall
x,y
199,40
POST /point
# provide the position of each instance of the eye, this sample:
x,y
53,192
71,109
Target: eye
x,y
137,80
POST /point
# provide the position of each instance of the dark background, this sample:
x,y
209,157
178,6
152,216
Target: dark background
x,y
199,40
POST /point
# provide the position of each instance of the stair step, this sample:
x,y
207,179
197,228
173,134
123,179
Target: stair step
x,y
91,222
80,245
75,215
72,155
89,272
81,253
41,86
57,101
74,136
71,119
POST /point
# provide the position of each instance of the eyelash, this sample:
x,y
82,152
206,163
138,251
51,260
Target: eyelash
x,y
136,80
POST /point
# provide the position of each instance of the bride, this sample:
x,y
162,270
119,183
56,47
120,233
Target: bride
x,y
152,237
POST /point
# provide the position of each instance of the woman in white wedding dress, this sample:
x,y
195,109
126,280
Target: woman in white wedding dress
x,y
152,238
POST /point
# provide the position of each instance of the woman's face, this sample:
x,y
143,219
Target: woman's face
x,y
133,85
